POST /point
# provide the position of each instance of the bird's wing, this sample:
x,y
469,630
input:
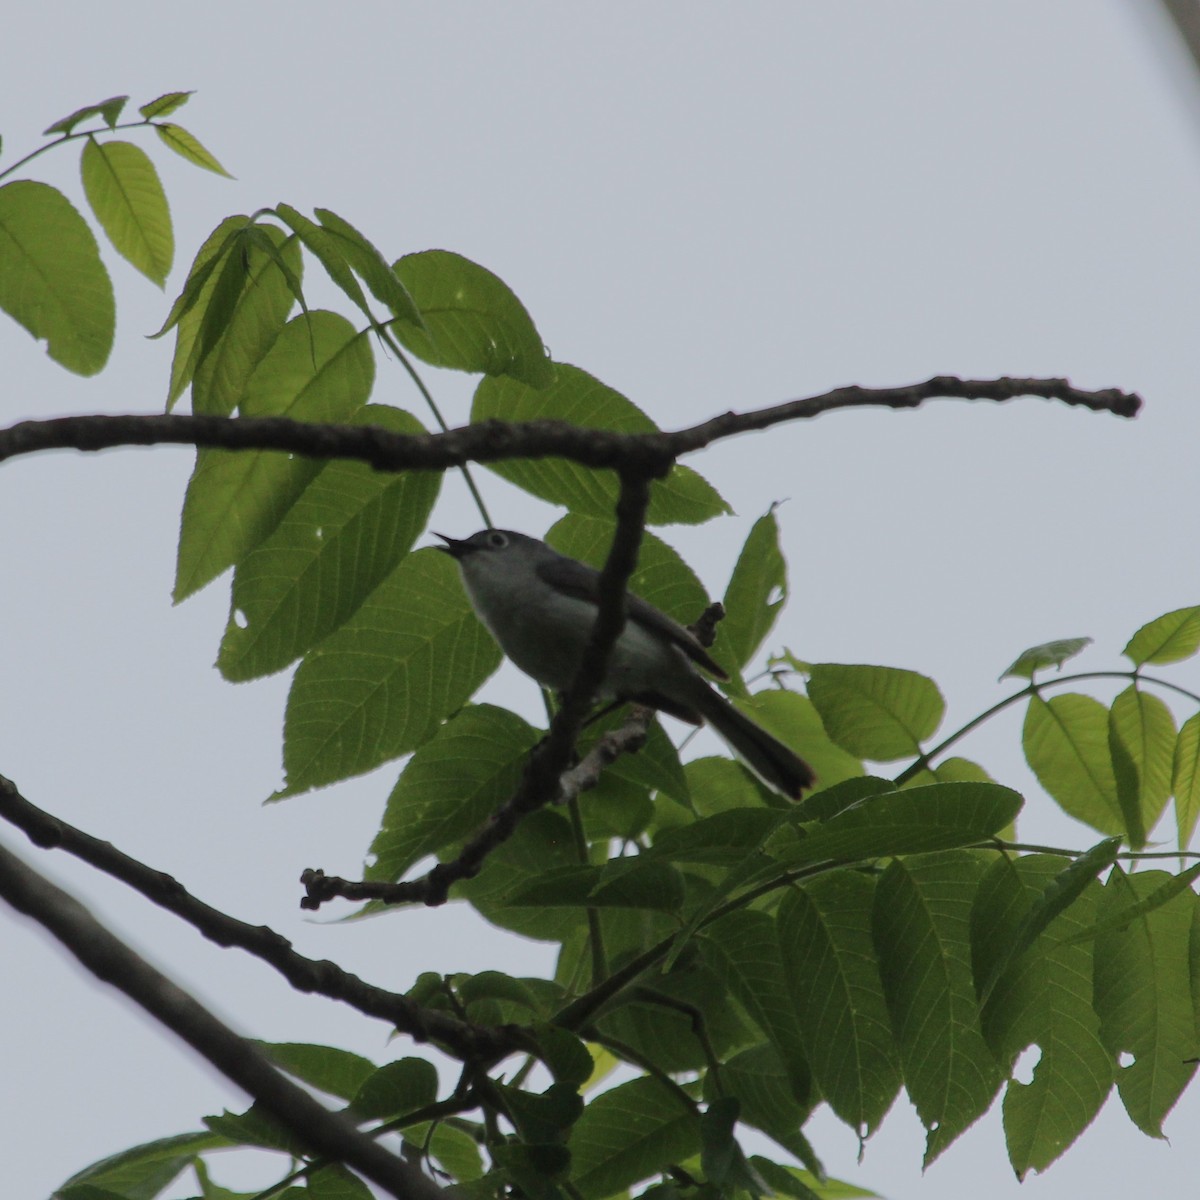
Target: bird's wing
x,y
583,582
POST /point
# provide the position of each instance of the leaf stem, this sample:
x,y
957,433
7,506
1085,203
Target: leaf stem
x,y
595,932
74,135
1033,688
1034,848
414,375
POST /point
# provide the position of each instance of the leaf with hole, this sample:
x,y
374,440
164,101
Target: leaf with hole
x,y
51,278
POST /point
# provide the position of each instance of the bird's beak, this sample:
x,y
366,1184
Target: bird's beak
x,y
453,546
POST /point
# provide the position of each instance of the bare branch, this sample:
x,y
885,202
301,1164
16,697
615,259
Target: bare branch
x,y
648,454
1112,400
468,1043
109,959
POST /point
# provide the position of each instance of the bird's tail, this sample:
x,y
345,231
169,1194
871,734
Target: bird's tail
x,y
774,763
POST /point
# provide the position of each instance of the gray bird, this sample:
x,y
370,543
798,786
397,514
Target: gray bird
x,y
541,606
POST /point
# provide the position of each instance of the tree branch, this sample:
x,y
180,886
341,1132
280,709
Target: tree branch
x,y
648,454
109,959
541,780
468,1043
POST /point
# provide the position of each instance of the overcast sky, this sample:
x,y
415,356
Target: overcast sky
x,y
709,206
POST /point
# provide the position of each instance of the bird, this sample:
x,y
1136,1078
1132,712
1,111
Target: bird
x,y
540,607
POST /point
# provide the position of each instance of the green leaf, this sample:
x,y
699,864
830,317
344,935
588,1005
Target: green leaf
x,y
743,948
208,258
322,245
1045,1001
683,498
758,1079
828,802
88,1191
720,1154
719,785
319,368
260,237
327,1068
370,265
1059,893
396,1088
51,278
165,104
1170,638
1048,654
188,312
720,840
188,146
564,1054
1141,733
450,786
231,278
494,998
531,1169
472,320
127,197
880,713
622,883
830,964
223,373
1066,744
142,1172
344,534
941,816
334,1182
757,592
543,842
379,686
1156,899
617,807
109,110
544,1117
628,1134
256,1127
665,1019
455,1149
961,770
921,929
1143,996
1185,779
805,1185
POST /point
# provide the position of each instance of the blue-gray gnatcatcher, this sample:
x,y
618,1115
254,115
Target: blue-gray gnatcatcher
x,y
541,606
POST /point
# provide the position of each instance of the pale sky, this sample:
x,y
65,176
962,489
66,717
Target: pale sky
x,y
707,206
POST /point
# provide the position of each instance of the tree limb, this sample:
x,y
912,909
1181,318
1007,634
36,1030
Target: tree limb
x,y
649,454
109,959
468,1043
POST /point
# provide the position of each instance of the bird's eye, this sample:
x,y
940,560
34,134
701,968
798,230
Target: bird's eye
x,y
497,540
